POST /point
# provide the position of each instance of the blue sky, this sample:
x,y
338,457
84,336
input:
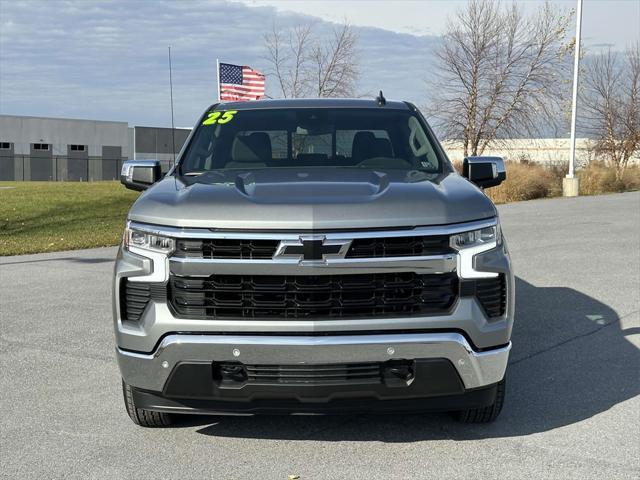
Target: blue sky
x,y
108,59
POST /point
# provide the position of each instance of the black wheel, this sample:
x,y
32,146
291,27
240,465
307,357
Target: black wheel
x,y
140,416
485,414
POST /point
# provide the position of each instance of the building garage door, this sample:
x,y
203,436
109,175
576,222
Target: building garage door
x,y
7,164
77,163
111,162
41,162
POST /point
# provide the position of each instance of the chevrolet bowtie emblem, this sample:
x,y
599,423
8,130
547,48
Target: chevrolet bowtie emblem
x,y
312,248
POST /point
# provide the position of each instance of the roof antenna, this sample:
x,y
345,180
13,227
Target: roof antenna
x,y
173,127
381,100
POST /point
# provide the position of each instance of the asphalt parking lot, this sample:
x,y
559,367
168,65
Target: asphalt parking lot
x,y
572,408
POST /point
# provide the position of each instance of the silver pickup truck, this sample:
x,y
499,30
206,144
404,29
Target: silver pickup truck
x,y
307,256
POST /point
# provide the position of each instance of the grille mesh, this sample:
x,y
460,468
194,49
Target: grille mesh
x,y
399,247
308,297
224,248
314,374
360,247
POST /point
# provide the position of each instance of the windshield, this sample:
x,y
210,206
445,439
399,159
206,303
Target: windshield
x,y
285,138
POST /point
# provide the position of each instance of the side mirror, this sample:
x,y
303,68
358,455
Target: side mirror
x,y
484,171
140,174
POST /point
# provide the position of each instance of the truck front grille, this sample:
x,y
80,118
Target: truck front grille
x,y
226,248
312,297
374,247
333,374
399,247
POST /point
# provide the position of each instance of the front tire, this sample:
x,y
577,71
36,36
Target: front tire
x,y
140,416
484,414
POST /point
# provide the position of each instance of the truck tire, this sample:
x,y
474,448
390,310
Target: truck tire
x,y
140,416
485,414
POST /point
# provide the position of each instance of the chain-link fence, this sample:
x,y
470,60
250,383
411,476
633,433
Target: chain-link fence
x,y
59,168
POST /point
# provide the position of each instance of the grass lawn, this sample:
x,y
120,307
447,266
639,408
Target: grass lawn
x,y
52,216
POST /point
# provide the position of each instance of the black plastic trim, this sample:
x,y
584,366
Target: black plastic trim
x,y
245,303
476,398
483,289
204,380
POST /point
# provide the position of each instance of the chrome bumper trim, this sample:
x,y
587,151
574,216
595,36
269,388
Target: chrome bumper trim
x,y
205,267
476,369
198,233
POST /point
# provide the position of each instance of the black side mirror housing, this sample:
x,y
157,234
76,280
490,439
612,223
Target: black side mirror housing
x,y
140,174
485,172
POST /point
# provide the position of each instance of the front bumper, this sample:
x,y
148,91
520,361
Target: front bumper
x,y
152,371
457,358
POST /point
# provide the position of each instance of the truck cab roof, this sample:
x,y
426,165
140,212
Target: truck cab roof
x,y
314,103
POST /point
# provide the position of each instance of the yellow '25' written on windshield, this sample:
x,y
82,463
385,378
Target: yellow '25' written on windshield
x,y
219,117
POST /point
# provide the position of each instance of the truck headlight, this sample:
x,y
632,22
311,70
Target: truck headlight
x,y
148,241
483,237
469,244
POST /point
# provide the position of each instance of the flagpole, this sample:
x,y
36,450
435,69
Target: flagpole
x,y
218,76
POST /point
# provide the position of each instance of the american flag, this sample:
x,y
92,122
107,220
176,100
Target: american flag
x,y
240,83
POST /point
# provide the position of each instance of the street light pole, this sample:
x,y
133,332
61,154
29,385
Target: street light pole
x,y
570,184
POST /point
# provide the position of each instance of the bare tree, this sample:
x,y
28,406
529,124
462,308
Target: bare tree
x,y
305,65
499,73
290,61
610,103
334,67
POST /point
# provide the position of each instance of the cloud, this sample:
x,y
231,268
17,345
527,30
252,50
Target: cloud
x,y
108,59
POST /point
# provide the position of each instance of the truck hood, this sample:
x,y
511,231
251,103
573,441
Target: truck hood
x,y
311,199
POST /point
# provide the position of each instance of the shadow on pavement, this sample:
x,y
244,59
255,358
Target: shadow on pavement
x,y
87,260
570,361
